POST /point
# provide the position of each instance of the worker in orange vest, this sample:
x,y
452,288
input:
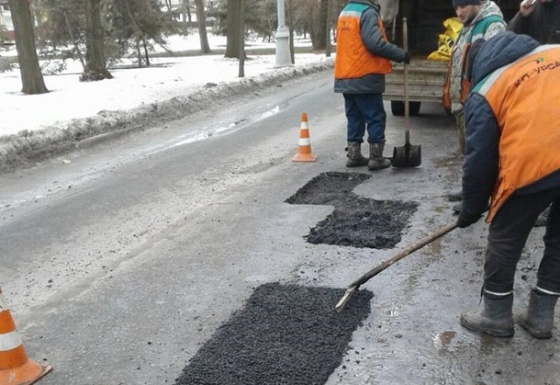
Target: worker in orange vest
x,y
363,57
512,159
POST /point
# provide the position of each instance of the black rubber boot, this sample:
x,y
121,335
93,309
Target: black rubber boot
x,y
455,196
376,159
496,318
355,157
538,318
457,208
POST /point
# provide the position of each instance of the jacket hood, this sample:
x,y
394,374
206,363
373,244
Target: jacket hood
x,y
498,51
488,8
371,3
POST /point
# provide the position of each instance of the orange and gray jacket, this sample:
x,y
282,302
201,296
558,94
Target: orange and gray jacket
x,y
363,54
512,122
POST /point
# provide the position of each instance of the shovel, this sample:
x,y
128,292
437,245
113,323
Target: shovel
x,y
373,272
408,155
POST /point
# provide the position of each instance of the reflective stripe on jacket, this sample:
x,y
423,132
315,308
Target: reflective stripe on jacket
x,y
523,97
353,59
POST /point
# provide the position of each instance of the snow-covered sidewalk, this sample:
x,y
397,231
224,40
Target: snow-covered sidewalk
x,y
165,79
74,109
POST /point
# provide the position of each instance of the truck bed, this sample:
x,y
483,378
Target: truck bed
x,y
425,81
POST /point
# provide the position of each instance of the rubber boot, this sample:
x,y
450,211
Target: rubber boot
x,y
538,318
457,208
376,159
355,157
496,318
455,196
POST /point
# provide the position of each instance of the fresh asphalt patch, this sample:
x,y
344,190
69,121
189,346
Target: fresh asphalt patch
x,y
355,221
285,335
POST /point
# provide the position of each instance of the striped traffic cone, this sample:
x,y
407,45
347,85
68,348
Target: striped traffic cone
x,y
15,367
304,153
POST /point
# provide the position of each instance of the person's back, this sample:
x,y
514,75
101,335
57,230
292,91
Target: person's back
x,y
539,19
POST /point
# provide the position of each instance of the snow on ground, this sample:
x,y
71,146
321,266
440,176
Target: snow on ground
x,y
79,109
166,78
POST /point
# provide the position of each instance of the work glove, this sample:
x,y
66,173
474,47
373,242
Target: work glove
x,y
466,219
406,58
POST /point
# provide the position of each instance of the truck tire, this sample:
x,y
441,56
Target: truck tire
x,y
397,108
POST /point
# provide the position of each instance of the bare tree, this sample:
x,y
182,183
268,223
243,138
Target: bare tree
x,y
201,19
242,34
31,76
233,29
96,68
320,40
329,26
290,13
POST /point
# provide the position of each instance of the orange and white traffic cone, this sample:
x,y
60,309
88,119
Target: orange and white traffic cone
x,y
15,367
304,153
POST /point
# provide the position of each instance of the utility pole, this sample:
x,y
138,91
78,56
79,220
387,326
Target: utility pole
x,y
283,57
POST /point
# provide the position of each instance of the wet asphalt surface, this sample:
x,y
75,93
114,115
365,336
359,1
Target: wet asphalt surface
x,y
124,263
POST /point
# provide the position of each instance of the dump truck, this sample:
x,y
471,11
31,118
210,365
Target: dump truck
x,y
425,77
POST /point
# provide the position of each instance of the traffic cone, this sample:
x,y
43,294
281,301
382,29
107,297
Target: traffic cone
x,y
304,153
15,367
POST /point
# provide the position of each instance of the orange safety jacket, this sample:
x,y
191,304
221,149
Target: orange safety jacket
x,y
520,95
353,59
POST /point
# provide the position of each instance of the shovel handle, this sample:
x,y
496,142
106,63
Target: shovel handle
x,y
409,250
406,106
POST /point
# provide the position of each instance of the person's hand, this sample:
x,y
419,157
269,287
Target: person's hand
x,y
406,58
526,7
466,219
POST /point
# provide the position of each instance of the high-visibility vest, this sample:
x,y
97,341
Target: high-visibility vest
x,y
525,99
353,59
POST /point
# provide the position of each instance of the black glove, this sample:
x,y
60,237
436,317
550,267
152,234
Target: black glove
x,y
406,58
466,219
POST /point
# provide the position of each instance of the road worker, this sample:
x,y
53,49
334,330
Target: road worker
x,y
512,120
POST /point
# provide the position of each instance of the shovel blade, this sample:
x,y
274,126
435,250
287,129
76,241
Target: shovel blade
x,y
407,156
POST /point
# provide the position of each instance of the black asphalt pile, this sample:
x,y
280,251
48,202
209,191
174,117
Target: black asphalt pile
x,y
285,335
356,221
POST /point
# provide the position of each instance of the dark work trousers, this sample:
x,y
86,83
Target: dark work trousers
x,y
365,111
508,233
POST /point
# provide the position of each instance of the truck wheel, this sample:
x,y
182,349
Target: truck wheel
x,y
397,108
414,108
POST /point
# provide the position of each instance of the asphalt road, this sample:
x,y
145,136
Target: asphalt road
x,y
120,260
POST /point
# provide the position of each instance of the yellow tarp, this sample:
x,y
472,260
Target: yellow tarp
x,y
447,39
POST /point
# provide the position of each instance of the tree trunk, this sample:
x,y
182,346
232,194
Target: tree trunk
x,y
328,29
233,29
96,68
242,34
146,53
201,17
138,53
184,6
320,41
189,16
291,29
74,41
31,76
